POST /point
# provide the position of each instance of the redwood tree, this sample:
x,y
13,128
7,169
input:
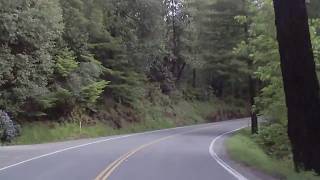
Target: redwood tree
x,y
300,82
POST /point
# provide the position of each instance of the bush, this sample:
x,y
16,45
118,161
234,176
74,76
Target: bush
x,y
160,73
8,129
274,140
191,94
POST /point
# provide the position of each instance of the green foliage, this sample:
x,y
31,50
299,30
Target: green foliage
x,y
192,94
28,32
261,46
66,63
129,88
242,148
158,115
91,93
313,9
35,133
263,49
274,140
227,73
62,60
56,98
241,19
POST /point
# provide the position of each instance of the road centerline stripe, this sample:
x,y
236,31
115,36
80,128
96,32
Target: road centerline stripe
x,y
107,139
92,143
104,175
110,169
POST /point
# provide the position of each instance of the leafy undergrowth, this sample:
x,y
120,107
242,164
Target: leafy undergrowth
x,y
37,133
155,117
244,149
161,114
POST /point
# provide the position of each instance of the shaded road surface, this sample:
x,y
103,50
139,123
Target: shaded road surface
x,y
187,153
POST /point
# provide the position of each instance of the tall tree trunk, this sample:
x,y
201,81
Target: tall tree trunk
x,y
300,82
194,78
253,114
174,32
251,80
174,39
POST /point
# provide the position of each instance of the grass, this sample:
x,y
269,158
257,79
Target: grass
x,y
37,133
155,117
243,149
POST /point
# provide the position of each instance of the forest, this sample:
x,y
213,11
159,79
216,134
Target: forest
x,y
113,66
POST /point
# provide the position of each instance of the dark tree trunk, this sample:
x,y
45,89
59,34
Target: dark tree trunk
x,y
252,94
300,82
180,71
251,79
174,32
178,64
218,86
194,78
174,37
175,69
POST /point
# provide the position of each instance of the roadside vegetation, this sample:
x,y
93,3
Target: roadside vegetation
x,y
271,147
247,149
116,66
154,118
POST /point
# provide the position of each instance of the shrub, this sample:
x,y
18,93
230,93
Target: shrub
x,y
159,72
8,128
274,140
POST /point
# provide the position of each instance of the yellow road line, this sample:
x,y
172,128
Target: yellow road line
x,y
101,175
104,175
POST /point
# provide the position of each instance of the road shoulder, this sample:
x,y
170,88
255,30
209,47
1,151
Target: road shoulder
x,y
246,171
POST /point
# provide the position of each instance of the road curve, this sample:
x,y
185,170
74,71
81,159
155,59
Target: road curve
x,y
185,153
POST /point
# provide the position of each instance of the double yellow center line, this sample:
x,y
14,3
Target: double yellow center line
x,y
104,175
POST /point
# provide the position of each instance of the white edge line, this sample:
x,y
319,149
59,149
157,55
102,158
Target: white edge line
x,y
62,150
95,142
222,163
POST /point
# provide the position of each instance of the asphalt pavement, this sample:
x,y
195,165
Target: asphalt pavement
x,y
184,153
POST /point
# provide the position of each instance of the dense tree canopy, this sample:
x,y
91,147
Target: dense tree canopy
x,y
55,52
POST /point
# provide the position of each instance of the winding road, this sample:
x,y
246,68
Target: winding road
x,y
184,153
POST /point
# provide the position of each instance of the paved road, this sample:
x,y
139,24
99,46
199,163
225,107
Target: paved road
x,y
186,153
